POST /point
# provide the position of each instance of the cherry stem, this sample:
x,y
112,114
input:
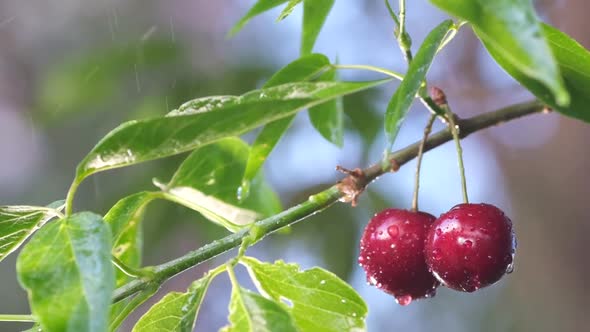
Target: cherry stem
x,y
454,128
427,131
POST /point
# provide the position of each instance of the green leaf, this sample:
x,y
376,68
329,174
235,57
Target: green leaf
x,y
17,223
263,145
207,181
124,219
250,312
327,118
260,7
512,29
303,69
402,99
175,312
321,302
138,141
315,13
288,9
122,309
67,272
300,70
574,64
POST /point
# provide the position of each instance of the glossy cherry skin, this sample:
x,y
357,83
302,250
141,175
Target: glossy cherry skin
x,y
392,254
470,247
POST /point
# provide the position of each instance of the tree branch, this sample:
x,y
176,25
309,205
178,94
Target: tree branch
x,y
345,190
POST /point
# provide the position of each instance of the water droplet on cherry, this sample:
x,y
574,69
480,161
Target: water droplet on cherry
x,y
404,299
510,266
372,281
393,231
436,254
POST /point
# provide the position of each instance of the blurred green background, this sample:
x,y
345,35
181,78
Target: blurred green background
x,y
70,71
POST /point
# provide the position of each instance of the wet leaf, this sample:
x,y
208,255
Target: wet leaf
x,y
17,223
511,28
134,142
175,312
402,99
250,312
67,272
208,179
319,300
124,219
300,70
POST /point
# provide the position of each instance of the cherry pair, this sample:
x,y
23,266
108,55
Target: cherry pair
x,y
408,254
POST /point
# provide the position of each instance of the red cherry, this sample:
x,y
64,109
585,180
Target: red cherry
x,y
392,254
470,247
